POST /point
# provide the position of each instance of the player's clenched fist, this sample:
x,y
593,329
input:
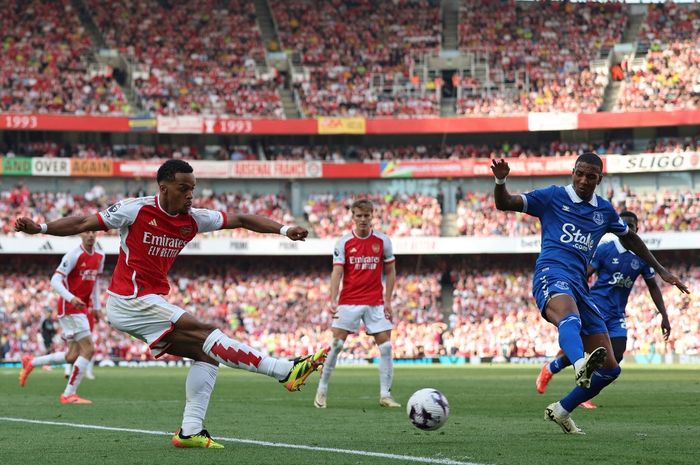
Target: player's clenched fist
x,y
297,233
26,225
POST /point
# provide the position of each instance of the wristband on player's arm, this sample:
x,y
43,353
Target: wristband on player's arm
x,y
283,230
44,227
501,181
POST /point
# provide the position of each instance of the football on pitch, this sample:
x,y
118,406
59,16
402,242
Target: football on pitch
x,y
428,409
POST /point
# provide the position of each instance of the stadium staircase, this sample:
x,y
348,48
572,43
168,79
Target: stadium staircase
x,y
273,47
446,297
629,36
450,17
448,227
103,55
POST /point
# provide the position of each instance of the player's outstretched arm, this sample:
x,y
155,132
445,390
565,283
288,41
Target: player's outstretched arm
x,y
263,224
504,201
68,226
658,299
631,241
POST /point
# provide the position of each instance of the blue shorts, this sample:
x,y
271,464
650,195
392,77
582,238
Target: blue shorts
x,y
617,327
548,282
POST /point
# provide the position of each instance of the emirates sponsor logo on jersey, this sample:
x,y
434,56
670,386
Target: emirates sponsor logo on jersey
x,y
163,246
88,275
364,263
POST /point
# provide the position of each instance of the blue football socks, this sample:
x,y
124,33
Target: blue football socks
x,y
601,378
570,337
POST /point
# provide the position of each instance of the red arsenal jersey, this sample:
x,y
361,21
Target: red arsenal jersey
x,y
79,270
151,240
363,260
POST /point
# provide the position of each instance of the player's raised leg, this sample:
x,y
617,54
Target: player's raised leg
x,y
29,362
561,309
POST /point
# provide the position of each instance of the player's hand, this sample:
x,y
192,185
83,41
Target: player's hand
x,y
96,316
27,225
77,303
665,328
672,279
333,308
500,168
297,233
388,313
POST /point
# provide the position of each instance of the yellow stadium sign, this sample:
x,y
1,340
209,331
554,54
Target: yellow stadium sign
x,y
341,125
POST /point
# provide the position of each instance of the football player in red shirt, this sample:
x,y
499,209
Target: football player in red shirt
x,y
359,259
153,231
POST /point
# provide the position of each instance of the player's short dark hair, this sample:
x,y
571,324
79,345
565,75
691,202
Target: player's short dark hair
x,y
629,214
170,168
590,158
362,204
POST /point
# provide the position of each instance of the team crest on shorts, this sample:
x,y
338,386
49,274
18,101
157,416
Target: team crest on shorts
x,y
375,248
635,264
598,218
186,231
563,285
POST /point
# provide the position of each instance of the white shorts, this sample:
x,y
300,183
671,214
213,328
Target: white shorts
x,y
348,317
75,327
149,318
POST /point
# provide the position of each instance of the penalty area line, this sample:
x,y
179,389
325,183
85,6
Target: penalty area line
x,y
364,453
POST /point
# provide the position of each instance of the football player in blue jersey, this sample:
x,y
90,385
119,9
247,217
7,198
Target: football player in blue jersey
x,y
617,269
573,220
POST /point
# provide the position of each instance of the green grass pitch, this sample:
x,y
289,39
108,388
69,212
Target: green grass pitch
x,y
649,416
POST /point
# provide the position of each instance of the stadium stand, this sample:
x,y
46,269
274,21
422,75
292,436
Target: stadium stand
x,y
47,64
530,68
200,59
356,58
284,311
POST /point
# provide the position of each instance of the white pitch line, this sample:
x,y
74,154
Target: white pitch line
x,y
408,458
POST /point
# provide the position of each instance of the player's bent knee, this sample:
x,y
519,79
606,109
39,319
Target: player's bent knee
x,y
338,344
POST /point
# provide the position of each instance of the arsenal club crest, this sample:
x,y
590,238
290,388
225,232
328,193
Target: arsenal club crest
x,y
186,231
375,248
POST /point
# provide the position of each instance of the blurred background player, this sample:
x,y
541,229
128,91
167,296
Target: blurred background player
x,y
573,220
617,269
48,330
93,316
358,260
153,232
75,281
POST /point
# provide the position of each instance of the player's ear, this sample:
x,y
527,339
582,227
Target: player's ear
x,y
162,188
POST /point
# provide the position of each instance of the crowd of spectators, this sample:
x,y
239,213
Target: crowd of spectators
x,y
494,315
344,153
285,312
394,214
329,215
357,57
192,57
669,79
538,70
658,211
49,206
46,63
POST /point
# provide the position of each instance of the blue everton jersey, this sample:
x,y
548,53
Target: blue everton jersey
x,y
571,227
617,270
